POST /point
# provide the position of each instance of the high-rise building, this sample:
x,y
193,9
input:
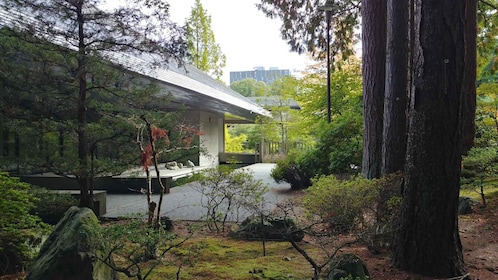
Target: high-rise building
x,y
259,74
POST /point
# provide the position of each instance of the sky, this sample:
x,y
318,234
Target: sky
x,y
245,35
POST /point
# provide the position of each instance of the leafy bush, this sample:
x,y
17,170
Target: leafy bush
x,y
359,203
51,206
288,170
137,247
20,231
368,206
338,151
225,192
341,203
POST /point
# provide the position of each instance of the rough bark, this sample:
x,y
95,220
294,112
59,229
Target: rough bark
x,y
427,239
396,92
373,14
470,76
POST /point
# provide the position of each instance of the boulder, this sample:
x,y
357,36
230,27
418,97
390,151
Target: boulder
x,y
73,250
465,205
271,228
347,265
172,165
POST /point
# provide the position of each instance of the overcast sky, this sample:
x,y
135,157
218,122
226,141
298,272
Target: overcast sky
x,y
245,35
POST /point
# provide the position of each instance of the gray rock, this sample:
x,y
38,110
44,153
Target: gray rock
x,y
345,265
466,204
172,165
271,228
72,250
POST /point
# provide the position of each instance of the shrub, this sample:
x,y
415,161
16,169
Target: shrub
x,y
341,203
359,203
288,170
20,231
274,228
338,151
225,192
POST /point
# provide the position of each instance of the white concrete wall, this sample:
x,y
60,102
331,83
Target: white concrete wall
x,y
211,125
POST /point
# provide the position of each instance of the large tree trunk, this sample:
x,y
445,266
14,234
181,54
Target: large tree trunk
x,y
373,13
396,94
84,179
469,87
427,239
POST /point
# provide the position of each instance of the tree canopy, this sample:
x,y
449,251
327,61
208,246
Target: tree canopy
x,y
80,51
205,53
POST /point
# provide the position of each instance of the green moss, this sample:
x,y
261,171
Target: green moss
x,y
226,258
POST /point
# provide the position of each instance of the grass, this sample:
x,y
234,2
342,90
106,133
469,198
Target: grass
x,y
490,190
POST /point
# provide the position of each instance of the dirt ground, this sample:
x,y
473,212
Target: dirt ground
x,y
479,236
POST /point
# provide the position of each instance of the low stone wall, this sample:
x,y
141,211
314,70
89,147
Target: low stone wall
x,y
239,158
99,200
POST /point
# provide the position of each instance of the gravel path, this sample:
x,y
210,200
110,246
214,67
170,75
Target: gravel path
x,y
183,203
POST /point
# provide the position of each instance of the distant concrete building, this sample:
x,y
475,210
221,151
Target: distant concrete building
x,y
259,74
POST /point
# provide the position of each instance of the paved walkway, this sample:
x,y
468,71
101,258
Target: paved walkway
x,y
183,203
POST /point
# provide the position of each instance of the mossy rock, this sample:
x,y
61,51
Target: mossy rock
x,y
73,250
347,265
271,228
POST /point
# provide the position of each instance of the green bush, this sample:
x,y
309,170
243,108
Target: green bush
x,y
20,231
288,170
369,207
226,192
338,151
340,203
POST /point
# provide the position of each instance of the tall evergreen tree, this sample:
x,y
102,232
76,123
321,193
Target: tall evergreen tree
x,y
440,115
205,53
396,88
427,240
85,37
374,76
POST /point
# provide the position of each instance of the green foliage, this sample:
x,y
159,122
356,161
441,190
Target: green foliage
x,y
345,91
480,169
250,87
78,89
303,24
234,144
487,41
205,53
480,165
339,144
340,202
338,151
139,247
354,204
20,231
226,192
339,148
288,170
